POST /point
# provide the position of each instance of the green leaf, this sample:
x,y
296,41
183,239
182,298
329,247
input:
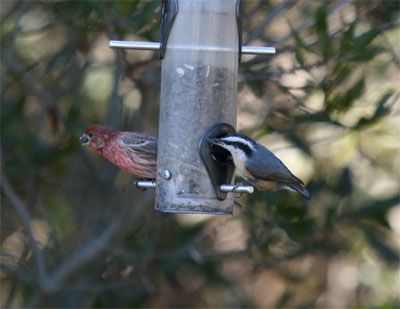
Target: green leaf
x,y
341,72
322,32
127,7
345,183
63,55
380,112
382,247
366,38
347,43
257,86
376,210
300,143
73,113
357,90
299,56
299,41
344,102
357,49
364,55
300,45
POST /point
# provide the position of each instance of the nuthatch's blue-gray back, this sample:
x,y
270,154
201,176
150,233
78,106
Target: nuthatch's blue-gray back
x,y
259,166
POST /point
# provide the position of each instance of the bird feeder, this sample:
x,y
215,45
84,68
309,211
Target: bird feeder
x,y
200,50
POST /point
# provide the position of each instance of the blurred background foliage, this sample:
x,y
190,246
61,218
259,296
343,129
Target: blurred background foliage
x,y
76,233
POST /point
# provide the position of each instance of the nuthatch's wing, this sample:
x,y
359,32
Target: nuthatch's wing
x,y
269,167
140,142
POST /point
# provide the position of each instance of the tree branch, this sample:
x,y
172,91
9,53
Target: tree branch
x,y
94,247
28,79
26,221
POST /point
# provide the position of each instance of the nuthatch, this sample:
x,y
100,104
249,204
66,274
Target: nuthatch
x,y
259,166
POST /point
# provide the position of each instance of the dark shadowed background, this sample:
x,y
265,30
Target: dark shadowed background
x,y
76,233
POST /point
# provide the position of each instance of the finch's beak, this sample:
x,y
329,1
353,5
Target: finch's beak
x,y
84,139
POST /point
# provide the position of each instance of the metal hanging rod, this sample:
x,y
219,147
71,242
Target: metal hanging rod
x,y
150,184
155,46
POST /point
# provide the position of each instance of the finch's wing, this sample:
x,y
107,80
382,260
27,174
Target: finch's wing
x,y
272,170
140,143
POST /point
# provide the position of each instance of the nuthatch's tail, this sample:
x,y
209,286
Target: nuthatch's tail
x,y
303,191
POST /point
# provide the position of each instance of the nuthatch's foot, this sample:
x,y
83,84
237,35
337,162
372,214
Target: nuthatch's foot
x,y
238,204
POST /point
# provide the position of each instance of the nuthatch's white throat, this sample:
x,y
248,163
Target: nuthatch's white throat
x,y
259,166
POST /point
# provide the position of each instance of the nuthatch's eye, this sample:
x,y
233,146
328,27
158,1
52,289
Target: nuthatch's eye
x,y
90,134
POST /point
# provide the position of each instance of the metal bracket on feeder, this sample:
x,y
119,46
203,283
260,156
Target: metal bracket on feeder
x,y
169,9
239,26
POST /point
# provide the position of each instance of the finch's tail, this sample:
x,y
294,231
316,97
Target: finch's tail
x,y
303,191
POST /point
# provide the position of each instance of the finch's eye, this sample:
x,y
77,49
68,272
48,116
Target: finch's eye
x,y
90,135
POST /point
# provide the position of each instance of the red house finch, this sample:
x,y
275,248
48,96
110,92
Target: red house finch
x,y
135,153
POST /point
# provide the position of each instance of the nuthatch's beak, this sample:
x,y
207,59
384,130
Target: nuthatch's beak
x,y
213,141
219,153
84,139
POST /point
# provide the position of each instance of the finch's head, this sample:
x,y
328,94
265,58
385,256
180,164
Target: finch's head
x,y
97,136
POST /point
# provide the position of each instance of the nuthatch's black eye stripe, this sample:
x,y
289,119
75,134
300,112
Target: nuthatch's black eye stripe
x,y
240,146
